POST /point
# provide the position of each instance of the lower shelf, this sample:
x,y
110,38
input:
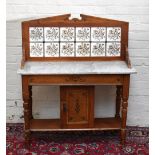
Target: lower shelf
x,y
54,125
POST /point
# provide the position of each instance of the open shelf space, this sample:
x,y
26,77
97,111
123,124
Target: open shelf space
x,y
55,125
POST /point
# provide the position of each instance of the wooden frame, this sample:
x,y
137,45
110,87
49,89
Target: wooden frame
x,y
86,21
116,123
120,80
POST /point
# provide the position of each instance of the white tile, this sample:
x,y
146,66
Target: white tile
x,y
113,49
98,49
113,34
98,33
82,34
51,49
83,49
67,49
51,33
36,34
67,34
36,49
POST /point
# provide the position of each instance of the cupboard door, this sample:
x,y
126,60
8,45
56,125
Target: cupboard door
x,y
77,106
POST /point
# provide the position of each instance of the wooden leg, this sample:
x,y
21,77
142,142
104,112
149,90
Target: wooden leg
x,y
27,135
30,104
125,94
118,101
26,105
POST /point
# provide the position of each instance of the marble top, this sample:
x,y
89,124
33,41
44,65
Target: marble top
x,y
76,67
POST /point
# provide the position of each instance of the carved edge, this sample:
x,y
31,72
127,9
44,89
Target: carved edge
x,y
127,59
67,17
90,17
58,17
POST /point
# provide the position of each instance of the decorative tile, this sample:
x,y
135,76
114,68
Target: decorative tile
x,y
113,49
94,41
113,34
83,49
98,49
82,34
36,34
67,49
51,49
98,34
36,49
67,34
51,33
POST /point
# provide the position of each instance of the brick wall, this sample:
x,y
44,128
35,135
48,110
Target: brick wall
x,y
46,99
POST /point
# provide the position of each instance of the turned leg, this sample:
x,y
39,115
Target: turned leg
x,y
125,94
26,105
118,100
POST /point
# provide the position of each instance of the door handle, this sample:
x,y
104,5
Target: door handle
x,y
64,107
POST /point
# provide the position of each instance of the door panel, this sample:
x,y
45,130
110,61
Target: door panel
x,y
77,106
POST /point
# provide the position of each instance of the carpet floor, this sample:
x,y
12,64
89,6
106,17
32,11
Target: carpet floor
x,y
77,143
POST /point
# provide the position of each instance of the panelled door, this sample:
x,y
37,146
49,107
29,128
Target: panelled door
x,y
77,106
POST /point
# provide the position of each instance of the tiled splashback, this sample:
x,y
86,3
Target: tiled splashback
x,y
75,41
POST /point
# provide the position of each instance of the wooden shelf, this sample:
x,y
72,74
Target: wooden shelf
x,y
107,123
54,125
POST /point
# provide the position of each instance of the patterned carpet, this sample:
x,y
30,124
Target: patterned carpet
x,y
77,143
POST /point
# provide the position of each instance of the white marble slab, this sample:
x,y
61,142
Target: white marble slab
x,y
73,67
